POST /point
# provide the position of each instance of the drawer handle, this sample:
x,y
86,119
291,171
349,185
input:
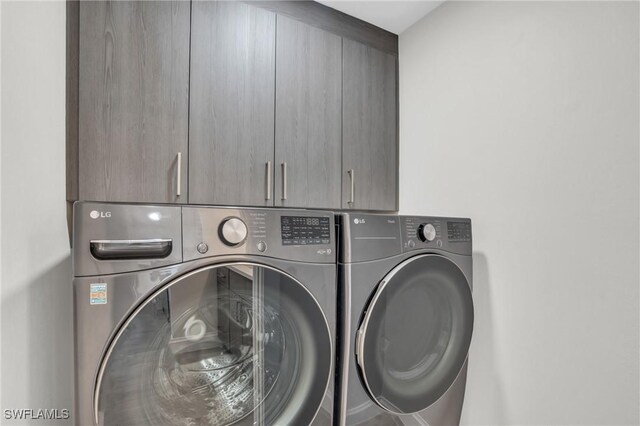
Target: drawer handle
x,y
131,249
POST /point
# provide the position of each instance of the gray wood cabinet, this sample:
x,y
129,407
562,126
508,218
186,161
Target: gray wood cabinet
x,y
308,116
204,102
133,100
231,122
369,128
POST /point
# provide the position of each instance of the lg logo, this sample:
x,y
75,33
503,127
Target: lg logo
x,y
95,214
357,221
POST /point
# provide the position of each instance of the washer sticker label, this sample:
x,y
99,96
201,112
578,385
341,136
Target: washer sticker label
x,y
98,294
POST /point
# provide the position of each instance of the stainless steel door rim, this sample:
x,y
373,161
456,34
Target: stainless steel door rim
x,y
371,310
123,326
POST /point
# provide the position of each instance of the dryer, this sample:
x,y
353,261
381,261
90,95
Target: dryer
x,y
405,319
191,315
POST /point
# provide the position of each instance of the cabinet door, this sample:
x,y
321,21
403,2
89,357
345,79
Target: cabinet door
x,y
369,138
133,101
308,116
231,114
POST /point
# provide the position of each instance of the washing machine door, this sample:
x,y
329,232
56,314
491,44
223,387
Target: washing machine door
x,y
415,334
229,344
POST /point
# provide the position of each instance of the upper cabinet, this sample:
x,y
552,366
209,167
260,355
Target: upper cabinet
x,y
133,101
231,133
308,116
369,128
285,104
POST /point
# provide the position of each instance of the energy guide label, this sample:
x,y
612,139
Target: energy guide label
x,y
98,294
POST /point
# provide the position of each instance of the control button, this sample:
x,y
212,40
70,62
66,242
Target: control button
x,y
262,246
233,231
202,248
427,232
412,244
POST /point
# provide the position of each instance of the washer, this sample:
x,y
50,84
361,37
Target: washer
x,y
405,319
198,315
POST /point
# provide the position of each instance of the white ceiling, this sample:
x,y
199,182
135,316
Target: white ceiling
x,y
395,16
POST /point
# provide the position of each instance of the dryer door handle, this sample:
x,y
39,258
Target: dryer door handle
x,y
157,248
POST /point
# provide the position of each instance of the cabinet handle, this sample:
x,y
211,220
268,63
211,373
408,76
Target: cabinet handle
x,y
268,180
179,175
352,195
284,180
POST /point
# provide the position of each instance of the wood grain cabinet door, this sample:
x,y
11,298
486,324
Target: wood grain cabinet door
x,y
308,116
133,101
369,123
231,118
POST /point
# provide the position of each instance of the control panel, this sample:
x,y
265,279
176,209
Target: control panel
x,y
287,234
305,230
449,234
420,231
366,237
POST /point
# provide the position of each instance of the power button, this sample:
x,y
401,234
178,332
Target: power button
x,y
262,246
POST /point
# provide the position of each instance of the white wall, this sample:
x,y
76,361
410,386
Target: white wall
x,y
36,297
524,117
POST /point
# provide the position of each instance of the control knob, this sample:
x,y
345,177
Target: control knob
x,y
427,232
233,231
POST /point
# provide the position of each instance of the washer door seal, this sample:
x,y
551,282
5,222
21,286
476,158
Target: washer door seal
x,y
415,334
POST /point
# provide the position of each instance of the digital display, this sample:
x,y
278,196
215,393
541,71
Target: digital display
x,y
304,230
459,231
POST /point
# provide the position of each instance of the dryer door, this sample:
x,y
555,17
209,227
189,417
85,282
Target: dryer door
x,y
415,334
228,344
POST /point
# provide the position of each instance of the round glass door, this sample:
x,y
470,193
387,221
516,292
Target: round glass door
x,y
225,345
415,334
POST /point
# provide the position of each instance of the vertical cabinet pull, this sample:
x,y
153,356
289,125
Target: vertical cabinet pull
x,y
284,180
179,175
268,189
352,195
